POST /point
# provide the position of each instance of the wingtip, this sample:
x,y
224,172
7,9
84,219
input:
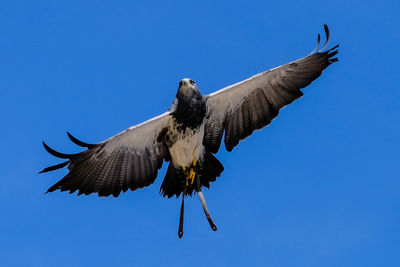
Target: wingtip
x,y
78,142
327,35
318,43
47,148
58,154
55,167
52,189
326,29
333,48
49,190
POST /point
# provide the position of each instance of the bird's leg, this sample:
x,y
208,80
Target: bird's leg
x,y
204,205
180,230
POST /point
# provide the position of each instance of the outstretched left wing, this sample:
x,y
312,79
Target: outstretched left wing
x,y
129,160
249,105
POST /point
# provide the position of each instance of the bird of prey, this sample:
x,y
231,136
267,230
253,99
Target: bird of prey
x,y
188,135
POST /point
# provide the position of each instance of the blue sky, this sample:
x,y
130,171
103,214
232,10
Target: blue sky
x,y
320,186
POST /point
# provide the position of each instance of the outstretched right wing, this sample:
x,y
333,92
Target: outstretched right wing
x,y
129,160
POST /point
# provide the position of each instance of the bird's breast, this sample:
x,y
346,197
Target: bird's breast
x,y
185,145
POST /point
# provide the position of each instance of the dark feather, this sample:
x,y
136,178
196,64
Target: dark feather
x,y
318,43
116,164
328,37
259,98
58,154
78,142
55,167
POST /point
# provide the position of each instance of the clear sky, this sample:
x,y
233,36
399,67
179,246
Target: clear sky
x,y
320,186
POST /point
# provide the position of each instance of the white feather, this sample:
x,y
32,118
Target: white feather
x,y
187,147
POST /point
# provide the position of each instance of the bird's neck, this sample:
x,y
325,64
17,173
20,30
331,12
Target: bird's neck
x,y
190,111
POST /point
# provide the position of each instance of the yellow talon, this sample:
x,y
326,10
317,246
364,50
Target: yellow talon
x,y
191,175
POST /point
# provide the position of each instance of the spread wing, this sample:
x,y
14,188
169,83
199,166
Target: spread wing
x,y
128,160
249,105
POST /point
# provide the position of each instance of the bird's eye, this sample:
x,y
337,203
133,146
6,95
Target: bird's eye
x,y
192,82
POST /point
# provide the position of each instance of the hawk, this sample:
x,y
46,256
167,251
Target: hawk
x,y
188,135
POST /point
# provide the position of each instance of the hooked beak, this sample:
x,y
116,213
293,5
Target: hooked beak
x,y
184,82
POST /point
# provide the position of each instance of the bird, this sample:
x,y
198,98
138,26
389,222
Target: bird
x,y
188,135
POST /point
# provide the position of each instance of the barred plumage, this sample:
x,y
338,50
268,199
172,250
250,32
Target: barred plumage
x,y
188,134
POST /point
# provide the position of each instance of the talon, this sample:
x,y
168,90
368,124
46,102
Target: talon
x,y
192,175
186,174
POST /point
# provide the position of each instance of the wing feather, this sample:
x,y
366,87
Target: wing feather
x,y
259,98
129,160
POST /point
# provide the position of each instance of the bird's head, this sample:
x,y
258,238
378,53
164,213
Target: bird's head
x,y
188,88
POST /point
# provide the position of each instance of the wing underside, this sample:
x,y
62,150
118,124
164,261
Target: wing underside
x,y
252,104
129,160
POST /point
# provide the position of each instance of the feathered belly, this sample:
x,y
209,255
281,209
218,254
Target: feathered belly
x,y
187,146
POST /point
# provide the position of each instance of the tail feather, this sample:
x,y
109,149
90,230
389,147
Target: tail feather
x,y
212,168
172,184
174,181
